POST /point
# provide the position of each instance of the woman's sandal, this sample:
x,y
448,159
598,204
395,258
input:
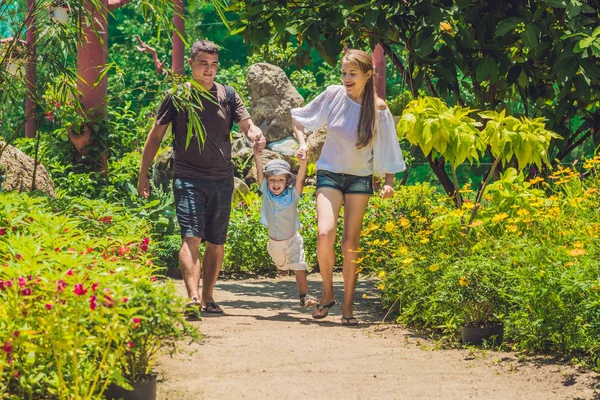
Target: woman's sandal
x,y
316,314
350,321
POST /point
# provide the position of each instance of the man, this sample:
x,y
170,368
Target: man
x,y
203,179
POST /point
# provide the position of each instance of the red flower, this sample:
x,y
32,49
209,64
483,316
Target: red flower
x,y
2,231
8,347
95,286
70,272
153,279
79,290
26,292
136,322
61,285
146,241
49,116
130,344
48,306
93,304
89,250
105,220
22,282
19,257
57,249
123,250
16,333
2,285
125,299
144,247
8,284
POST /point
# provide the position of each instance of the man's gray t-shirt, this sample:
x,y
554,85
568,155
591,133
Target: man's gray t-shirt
x,y
213,162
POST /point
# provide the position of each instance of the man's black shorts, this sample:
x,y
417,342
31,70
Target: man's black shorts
x,y
203,208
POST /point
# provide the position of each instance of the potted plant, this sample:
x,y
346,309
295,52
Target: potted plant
x,y
157,323
478,301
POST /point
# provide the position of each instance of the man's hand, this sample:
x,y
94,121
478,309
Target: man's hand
x,y
259,142
143,185
387,192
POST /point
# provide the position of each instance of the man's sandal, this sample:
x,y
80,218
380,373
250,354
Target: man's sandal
x,y
212,308
192,309
317,311
350,321
306,300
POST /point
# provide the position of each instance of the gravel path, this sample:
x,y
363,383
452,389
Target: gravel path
x,y
266,347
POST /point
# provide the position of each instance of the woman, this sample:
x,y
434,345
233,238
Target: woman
x,y
361,141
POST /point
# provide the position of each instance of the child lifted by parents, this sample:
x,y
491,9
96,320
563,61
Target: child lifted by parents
x,y
361,142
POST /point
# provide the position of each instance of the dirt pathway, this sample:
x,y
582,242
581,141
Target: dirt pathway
x,y
266,347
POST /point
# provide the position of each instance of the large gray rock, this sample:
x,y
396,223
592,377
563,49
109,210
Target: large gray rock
x,y
17,171
162,175
240,189
315,144
273,96
287,148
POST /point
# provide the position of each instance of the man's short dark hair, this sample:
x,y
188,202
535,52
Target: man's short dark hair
x,y
203,46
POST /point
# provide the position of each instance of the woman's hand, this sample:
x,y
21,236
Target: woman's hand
x,y
387,192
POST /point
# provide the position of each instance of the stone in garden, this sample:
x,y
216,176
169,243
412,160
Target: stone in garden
x,y
239,144
17,171
239,188
267,155
315,144
162,175
287,148
273,96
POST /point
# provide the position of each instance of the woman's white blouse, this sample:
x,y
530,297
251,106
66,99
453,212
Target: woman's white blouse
x,y
341,114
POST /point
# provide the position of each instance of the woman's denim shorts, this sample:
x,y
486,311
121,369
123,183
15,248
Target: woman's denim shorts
x,y
345,183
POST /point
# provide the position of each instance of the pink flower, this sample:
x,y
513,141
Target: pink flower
x,y
130,344
2,285
94,286
8,347
61,285
144,247
125,299
8,284
145,240
48,306
49,116
79,290
153,279
70,272
93,304
26,292
22,282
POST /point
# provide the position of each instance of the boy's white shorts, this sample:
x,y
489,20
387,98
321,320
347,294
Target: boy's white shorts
x,y
288,254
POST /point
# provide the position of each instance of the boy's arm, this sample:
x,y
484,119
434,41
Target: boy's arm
x,y
260,175
301,175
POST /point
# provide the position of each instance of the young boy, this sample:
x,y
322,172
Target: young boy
x,y
279,213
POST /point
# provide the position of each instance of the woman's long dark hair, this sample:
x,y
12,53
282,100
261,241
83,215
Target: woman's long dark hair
x,y
366,122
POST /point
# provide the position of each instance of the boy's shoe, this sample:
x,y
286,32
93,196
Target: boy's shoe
x,y
306,300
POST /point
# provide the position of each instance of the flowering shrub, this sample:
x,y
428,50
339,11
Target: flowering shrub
x,y
530,259
75,282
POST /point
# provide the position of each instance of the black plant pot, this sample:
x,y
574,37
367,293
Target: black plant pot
x,y
493,333
144,389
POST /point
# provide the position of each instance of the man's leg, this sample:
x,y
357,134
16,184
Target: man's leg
x,y
189,261
211,264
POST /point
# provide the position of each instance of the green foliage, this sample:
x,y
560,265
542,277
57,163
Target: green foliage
x,y
529,260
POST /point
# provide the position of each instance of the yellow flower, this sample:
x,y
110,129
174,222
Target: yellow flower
x,y
364,296
468,205
476,223
569,264
537,179
405,223
389,227
407,260
577,252
522,212
434,267
381,286
403,250
425,240
512,228
381,274
500,217
464,281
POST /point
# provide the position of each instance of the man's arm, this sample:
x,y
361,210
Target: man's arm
x,y
253,132
155,137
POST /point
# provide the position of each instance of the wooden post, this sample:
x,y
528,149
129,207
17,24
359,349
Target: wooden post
x,y
178,56
92,56
379,65
30,79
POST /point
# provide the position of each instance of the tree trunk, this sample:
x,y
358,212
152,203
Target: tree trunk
x,y
438,168
30,103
